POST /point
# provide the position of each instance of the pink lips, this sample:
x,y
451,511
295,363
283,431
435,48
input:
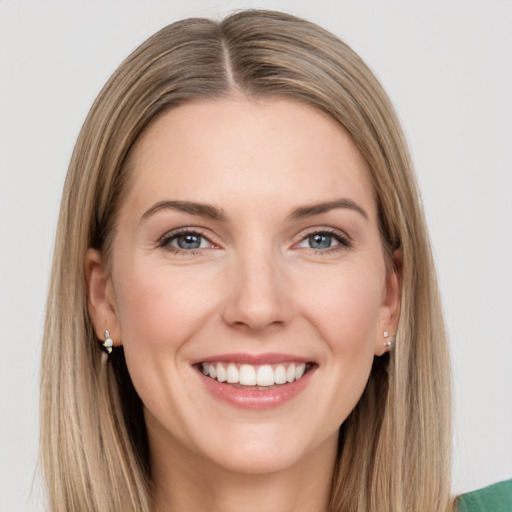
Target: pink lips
x,y
252,397
255,359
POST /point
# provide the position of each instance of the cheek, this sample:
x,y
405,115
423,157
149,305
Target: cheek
x,y
159,308
344,307
346,316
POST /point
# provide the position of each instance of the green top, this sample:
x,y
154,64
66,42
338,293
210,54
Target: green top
x,y
495,498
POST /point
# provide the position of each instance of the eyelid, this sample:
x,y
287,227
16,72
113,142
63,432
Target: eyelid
x,y
325,229
164,240
343,239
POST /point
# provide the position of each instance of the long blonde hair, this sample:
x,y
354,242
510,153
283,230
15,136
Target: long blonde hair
x,y
394,450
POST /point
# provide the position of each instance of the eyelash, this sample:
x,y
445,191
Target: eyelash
x,y
165,241
343,240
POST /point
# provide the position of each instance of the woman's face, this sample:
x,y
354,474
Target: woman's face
x,y
248,248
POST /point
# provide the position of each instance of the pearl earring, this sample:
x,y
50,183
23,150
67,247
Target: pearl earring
x,y
108,344
389,341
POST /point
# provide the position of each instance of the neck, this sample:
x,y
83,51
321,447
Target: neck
x,y
184,482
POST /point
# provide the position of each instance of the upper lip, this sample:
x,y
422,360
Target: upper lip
x,y
254,359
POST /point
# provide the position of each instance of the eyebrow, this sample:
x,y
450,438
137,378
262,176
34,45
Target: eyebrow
x,y
202,210
214,213
316,209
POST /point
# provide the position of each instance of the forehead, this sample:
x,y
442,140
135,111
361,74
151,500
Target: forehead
x,y
272,149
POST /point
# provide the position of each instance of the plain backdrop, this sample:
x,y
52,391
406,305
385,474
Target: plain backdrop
x,y
447,67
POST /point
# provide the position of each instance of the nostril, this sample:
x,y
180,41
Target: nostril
x,y
255,314
258,297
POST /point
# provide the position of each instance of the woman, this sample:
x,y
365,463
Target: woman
x,y
241,231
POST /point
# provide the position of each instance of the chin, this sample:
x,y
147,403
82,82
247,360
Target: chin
x,y
247,462
267,451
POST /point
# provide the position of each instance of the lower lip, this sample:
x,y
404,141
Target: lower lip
x,y
254,399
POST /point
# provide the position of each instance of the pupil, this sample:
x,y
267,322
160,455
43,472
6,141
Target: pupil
x,y
189,242
320,241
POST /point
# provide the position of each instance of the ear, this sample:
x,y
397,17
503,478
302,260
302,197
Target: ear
x,y
390,308
100,297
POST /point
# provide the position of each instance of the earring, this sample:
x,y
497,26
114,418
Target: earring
x,y
389,340
108,344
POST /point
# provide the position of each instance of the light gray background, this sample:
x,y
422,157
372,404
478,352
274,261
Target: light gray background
x,y
447,67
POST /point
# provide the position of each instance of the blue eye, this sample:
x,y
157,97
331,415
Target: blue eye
x,y
320,241
189,241
185,241
324,240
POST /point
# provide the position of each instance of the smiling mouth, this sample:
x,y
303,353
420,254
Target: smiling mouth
x,y
256,377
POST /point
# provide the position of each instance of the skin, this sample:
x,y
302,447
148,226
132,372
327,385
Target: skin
x,y
254,286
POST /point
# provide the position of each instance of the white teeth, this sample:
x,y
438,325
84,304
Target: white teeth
x,y
299,371
265,376
280,374
232,374
249,375
290,373
221,373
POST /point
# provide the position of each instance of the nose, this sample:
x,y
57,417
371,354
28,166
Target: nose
x,y
258,295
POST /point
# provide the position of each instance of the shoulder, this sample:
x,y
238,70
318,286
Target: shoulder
x,y
495,498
